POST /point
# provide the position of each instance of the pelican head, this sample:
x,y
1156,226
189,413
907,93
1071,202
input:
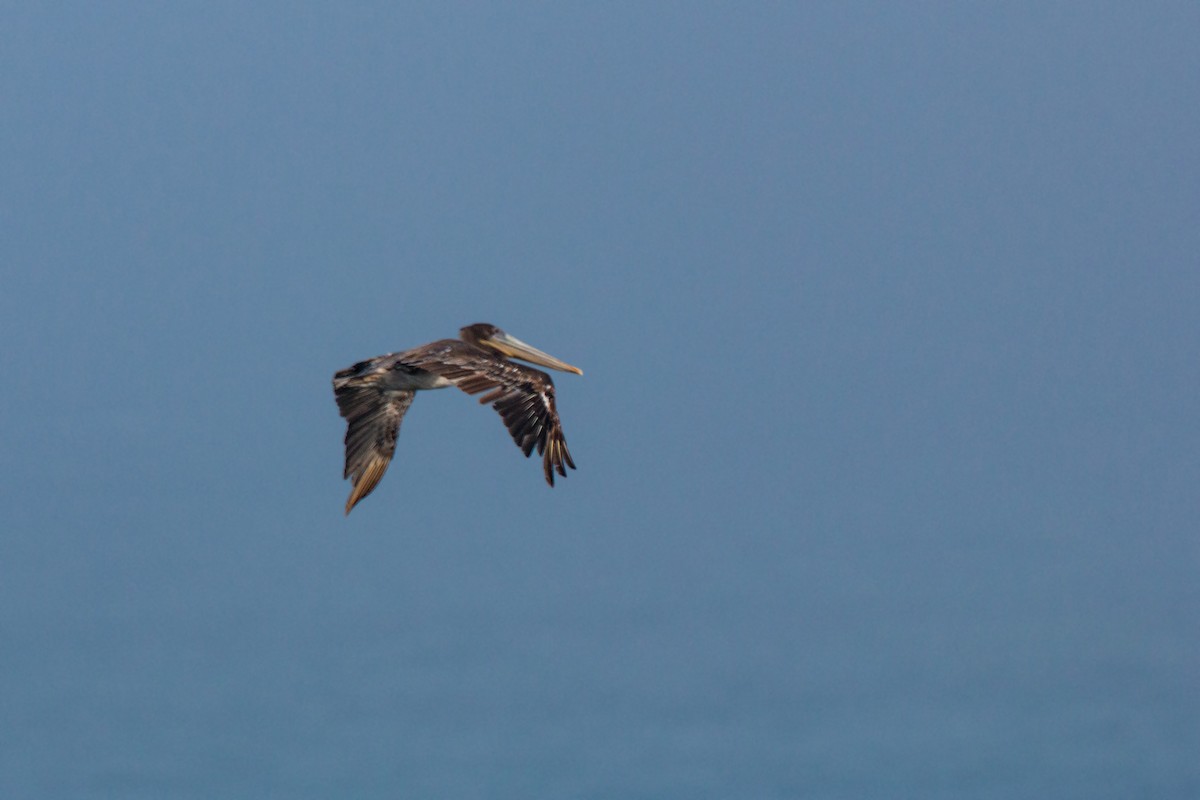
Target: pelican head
x,y
489,337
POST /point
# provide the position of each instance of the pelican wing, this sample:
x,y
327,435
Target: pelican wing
x,y
523,396
373,409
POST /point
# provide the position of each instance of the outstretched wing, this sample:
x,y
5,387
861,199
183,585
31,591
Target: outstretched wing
x,y
373,410
524,396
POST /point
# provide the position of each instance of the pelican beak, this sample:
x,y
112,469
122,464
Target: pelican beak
x,y
513,347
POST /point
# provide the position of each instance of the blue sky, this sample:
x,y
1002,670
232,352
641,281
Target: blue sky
x,y
894,294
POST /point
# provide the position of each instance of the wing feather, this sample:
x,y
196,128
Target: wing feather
x,y
373,413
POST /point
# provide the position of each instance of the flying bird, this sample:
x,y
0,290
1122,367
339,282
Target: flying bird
x,y
374,394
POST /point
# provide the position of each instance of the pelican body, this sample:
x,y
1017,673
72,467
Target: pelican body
x,y
373,396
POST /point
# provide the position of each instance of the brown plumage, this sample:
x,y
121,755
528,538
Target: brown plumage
x,y
373,396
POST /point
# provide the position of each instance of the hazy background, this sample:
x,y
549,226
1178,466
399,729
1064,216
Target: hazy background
x,y
888,442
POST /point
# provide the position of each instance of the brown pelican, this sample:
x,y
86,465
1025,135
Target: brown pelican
x,y
374,394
